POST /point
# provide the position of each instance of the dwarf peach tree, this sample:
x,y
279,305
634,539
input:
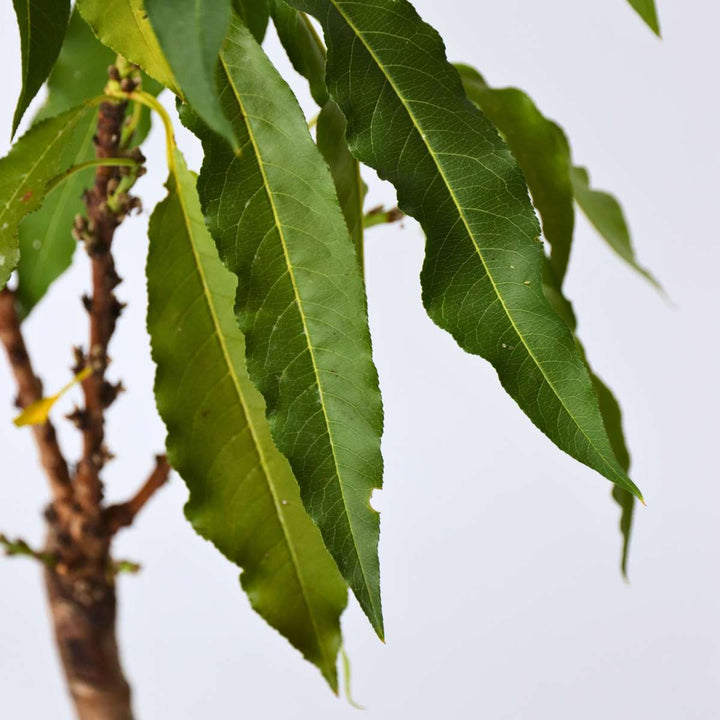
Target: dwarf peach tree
x,y
257,309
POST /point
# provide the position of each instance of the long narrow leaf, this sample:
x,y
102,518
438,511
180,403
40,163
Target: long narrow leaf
x,y
190,33
304,48
42,25
543,153
274,214
255,14
123,26
648,12
307,54
409,118
345,170
606,215
243,496
609,408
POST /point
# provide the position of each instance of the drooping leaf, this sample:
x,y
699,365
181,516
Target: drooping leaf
x,y
304,48
307,54
243,496
345,170
42,25
123,26
606,215
274,215
543,153
46,243
609,409
408,117
190,33
32,162
648,12
255,14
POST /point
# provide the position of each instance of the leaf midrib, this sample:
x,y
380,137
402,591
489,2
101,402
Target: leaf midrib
x,y
461,213
311,349
258,445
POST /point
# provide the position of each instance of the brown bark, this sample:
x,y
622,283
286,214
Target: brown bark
x,y
79,574
84,621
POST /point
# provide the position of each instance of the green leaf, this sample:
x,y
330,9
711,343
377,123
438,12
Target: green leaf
x,y
609,409
647,11
190,33
408,117
304,48
46,242
123,26
243,496
606,215
275,218
307,54
255,14
543,153
32,162
345,170
42,25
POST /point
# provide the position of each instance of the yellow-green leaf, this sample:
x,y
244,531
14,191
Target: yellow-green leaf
x,y
243,496
123,26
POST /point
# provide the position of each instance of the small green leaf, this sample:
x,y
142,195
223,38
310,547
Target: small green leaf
x,y
648,12
255,14
606,215
274,215
409,118
123,26
190,33
42,25
243,496
543,153
31,164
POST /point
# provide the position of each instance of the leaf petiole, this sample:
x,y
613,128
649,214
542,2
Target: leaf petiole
x,y
94,162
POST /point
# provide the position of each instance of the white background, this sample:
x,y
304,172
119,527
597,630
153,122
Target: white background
x,y
502,593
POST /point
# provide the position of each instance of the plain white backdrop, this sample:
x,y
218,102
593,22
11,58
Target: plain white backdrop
x,y
502,592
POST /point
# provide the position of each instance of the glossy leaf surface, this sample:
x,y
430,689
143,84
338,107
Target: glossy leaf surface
x,y
543,153
274,214
408,117
606,215
124,27
42,25
243,496
32,162
190,33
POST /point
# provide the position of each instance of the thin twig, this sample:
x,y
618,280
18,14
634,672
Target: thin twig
x,y
30,391
123,514
103,307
